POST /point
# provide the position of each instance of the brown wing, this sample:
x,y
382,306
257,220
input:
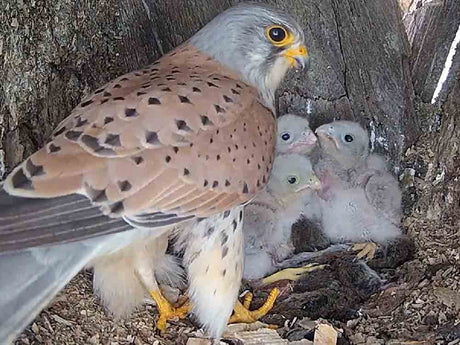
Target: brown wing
x,y
183,136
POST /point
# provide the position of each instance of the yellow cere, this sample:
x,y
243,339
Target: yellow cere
x,y
293,52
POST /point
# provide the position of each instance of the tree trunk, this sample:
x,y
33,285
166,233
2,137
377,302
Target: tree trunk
x,y
363,67
432,27
56,52
360,70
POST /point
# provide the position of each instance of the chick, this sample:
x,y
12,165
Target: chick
x,y
294,135
269,217
360,200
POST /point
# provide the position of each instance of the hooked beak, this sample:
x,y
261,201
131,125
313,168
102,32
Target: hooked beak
x,y
305,144
315,184
308,138
298,57
326,132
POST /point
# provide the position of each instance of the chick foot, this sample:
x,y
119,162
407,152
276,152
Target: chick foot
x,y
242,314
291,273
366,250
167,311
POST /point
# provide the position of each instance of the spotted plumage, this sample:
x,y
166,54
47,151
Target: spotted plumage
x,y
178,143
160,125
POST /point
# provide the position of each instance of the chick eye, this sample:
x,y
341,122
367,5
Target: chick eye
x,y
285,136
277,35
292,179
348,138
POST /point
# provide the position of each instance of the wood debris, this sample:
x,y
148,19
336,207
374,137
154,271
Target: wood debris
x,y
325,335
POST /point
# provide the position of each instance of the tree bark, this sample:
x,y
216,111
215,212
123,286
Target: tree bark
x,y
431,28
360,71
55,52
363,67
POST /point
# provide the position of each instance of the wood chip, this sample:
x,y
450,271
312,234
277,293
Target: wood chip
x,y
258,333
261,336
235,328
325,335
254,334
201,341
35,328
94,340
59,319
48,324
448,297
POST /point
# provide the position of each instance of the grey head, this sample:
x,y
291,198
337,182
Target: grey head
x,y
257,41
294,135
345,141
292,174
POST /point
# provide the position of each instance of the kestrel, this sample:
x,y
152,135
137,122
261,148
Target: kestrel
x,y
294,135
360,200
356,185
186,142
269,217
267,228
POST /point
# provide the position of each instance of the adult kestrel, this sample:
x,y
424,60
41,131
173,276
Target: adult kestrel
x,y
188,139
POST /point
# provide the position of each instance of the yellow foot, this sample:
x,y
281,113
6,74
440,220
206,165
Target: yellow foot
x,y
291,273
167,311
366,250
241,312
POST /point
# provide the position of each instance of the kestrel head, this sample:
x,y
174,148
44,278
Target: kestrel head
x,y
346,141
294,135
292,174
259,42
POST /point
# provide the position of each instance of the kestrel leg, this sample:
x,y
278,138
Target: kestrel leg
x,y
241,310
214,257
145,271
365,250
291,273
242,314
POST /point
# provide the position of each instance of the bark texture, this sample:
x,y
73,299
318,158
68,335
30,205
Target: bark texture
x,y
431,28
360,70
55,52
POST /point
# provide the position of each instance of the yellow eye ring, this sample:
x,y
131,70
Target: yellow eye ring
x,y
278,36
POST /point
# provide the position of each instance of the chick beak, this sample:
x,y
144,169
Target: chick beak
x,y
315,183
297,56
308,138
326,132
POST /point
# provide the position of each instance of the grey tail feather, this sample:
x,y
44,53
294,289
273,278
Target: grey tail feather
x,y
156,220
29,279
31,222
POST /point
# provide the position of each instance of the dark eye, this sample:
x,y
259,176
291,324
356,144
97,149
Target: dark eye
x,y
277,35
285,136
348,138
292,179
